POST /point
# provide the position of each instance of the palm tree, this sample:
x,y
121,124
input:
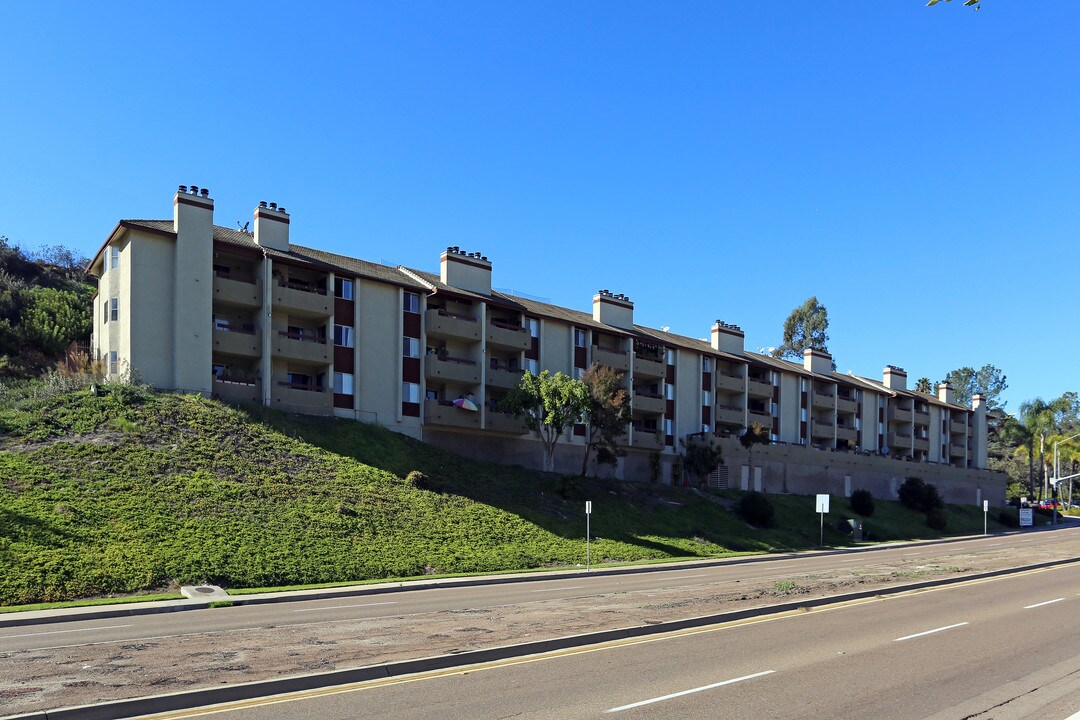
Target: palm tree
x,y
1040,420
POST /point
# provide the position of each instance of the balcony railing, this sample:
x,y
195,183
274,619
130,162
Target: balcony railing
x,y
648,402
233,290
234,275
897,414
759,416
301,286
921,444
237,341
758,388
922,418
958,428
508,335
502,377
731,383
237,388
441,412
451,369
957,449
822,429
899,440
646,366
618,359
496,421
846,405
648,439
439,322
823,400
306,347
844,432
302,299
302,398
729,415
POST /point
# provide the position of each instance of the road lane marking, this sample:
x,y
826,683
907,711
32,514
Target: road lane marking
x,y
687,577
930,632
57,632
572,587
993,544
1048,602
341,607
852,560
688,692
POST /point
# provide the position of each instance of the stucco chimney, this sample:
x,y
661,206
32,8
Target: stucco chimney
x,y
465,270
193,258
272,227
945,393
193,215
614,310
727,338
894,378
818,362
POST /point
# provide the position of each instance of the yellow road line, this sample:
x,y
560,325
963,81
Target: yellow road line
x,y
554,654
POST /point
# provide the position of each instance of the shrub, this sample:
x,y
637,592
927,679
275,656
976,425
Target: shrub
x,y
756,509
572,487
417,479
862,502
918,495
936,520
1008,518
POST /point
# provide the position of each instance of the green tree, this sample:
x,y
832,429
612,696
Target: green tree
x,y
756,434
551,405
923,385
806,327
608,414
700,456
987,381
1039,422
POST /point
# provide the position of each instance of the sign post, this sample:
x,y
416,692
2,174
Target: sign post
x,y
588,535
1026,519
986,509
822,508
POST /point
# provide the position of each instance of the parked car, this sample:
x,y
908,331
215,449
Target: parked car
x,y
1049,503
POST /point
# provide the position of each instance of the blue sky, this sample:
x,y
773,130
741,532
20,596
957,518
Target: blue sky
x,y
914,168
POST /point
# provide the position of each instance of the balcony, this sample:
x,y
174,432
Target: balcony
x,y
645,366
450,369
440,323
958,428
897,414
822,429
921,444
846,405
237,389
922,418
648,439
759,416
730,415
899,441
850,434
437,412
646,402
505,423
732,383
244,343
508,336
302,347
825,401
758,388
957,449
504,378
618,359
236,289
308,399
302,299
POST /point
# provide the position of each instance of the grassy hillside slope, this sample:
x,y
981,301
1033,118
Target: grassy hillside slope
x,y
128,490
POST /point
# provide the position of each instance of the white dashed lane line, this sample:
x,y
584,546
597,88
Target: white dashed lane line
x,y
341,607
1048,602
931,632
57,632
688,692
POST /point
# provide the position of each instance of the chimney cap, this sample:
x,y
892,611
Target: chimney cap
x,y
183,189
896,369
205,192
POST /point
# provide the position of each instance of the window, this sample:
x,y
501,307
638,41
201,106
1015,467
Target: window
x,y
668,426
343,383
343,336
706,397
579,373
670,356
533,326
802,384
410,392
411,303
113,362
218,370
221,323
774,409
579,338
802,414
299,379
669,391
410,347
114,309
343,288
105,311
531,365
706,364
114,255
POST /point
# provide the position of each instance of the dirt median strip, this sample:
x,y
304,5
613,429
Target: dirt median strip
x,y
240,691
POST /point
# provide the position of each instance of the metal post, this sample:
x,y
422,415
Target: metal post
x,y
821,533
588,543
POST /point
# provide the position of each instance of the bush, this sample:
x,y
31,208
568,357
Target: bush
x,y
918,495
1008,518
936,520
756,509
862,502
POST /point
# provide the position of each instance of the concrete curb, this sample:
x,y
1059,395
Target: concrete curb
x,y
129,610
264,688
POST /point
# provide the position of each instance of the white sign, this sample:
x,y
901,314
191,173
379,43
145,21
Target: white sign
x,y
588,507
986,505
822,504
1026,519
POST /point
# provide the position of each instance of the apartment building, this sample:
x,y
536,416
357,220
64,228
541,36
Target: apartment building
x,y
253,317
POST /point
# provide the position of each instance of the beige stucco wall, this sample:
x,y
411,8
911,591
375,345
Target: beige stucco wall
x,y
193,297
556,346
147,313
790,415
687,393
378,354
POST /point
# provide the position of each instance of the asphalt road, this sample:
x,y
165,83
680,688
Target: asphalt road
x,y
1001,648
399,603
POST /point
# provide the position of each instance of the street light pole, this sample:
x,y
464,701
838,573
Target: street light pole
x,y
1057,472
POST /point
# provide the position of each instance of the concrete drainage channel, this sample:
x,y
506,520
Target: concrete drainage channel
x,y
249,691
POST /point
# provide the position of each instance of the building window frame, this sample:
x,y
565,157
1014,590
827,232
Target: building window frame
x,y
410,347
343,288
410,392
344,383
410,303
344,336
114,309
